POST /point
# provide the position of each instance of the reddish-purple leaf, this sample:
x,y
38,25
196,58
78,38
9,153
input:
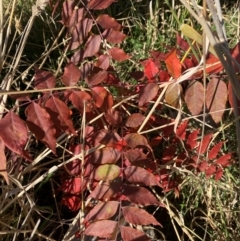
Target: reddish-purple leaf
x,y
139,195
76,16
77,57
107,155
194,97
73,186
192,139
106,137
212,154
71,75
67,11
103,99
216,98
107,172
230,97
3,162
107,190
224,160
99,4
103,62
173,95
40,124
80,32
113,117
138,216
13,132
135,155
104,210
107,22
92,45
135,120
139,175
118,54
60,115
96,76
181,130
147,93
150,70
135,140
132,234
113,36
78,99
102,228
204,143
44,79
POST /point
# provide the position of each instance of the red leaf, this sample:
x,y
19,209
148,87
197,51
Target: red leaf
x,y
107,172
204,143
103,228
194,97
212,154
107,22
3,162
92,46
235,52
182,43
131,234
181,130
113,36
192,139
106,137
80,32
39,123
103,99
113,117
139,195
216,98
72,202
107,155
99,4
203,166
13,132
67,11
218,174
78,98
118,54
135,140
138,216
101,211
211,170
147,93
135,120
96,76
173,64
44,79
60,115
140,176
107,190
213,65
103,62
73,186
224,160
135,155
150,70
71,75
173,94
